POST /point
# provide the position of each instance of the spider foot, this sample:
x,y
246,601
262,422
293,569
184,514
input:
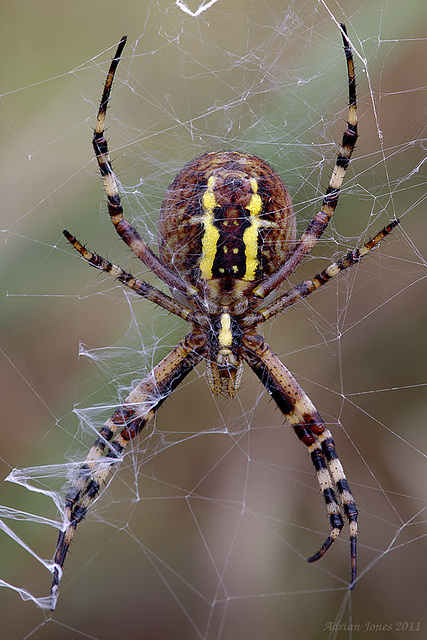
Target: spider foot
x,y
353,550
325,546
62,546
57,575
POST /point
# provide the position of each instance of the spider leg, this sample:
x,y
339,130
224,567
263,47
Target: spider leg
x,y
308,286
140,287
126,231
308,425
127,422
321,220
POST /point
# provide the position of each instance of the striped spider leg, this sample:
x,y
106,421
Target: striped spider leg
x,y
298,409
318,224
140,287
107,451
308,425
309,286
126,231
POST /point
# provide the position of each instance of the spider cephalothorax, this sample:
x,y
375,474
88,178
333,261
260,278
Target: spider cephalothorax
x,y
226,242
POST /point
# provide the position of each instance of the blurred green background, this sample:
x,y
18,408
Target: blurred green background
x,y
205,530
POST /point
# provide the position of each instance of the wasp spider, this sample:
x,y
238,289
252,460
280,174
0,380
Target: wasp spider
x,y
226,241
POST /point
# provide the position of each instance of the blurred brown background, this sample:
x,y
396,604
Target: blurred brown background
x,y
207,538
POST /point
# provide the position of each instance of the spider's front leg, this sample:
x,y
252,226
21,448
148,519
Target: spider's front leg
x,y
318,224
308,425
126,231
127,422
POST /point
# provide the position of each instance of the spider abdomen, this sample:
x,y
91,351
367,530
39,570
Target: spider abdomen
x,y
227,217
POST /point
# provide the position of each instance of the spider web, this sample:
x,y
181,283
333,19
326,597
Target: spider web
x,y
204,530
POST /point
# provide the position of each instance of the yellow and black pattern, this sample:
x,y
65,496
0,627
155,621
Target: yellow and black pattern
x,y
227,217
230,237
226,239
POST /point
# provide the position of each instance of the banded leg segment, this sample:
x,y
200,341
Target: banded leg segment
x,y
321,220
140,287
309,286
126,231
105,454
308,425
346,497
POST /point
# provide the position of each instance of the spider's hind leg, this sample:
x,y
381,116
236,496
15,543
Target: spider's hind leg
x,y
332,482
124,425
309,427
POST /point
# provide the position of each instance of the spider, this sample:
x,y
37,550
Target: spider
x,y
227,240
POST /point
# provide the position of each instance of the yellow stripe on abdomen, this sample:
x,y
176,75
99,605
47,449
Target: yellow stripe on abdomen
x,y
250,235
211,233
